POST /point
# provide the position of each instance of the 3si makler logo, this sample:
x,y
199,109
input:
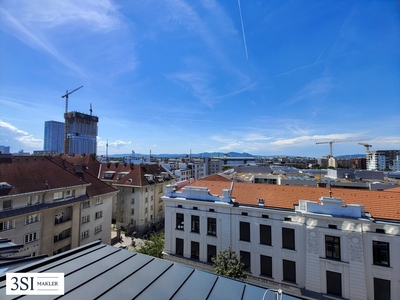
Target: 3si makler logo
x,y
35,283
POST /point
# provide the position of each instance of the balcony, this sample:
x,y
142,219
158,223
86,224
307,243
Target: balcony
x,y
63,224
62,243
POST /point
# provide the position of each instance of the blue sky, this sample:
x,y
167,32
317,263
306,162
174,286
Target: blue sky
x,y
264,77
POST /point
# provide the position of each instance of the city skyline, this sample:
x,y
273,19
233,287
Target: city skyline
x,y
210,76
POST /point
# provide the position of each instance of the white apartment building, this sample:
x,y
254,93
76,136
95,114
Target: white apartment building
x,y
48,209
138,206
297,237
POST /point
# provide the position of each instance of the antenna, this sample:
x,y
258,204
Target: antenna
x,y
107,151
90,109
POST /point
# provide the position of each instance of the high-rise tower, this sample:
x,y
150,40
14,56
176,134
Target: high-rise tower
x,y
81,133
53,136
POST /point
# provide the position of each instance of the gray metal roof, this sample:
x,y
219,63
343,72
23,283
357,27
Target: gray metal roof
x,y
99,271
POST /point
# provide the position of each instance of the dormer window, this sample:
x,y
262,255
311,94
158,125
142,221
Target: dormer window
x,y
108,174
122,174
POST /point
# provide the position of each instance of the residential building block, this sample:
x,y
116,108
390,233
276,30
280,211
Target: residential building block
x,y
335,242
49,207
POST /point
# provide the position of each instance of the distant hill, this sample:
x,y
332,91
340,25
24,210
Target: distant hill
x,y
221,154
203,154
351,156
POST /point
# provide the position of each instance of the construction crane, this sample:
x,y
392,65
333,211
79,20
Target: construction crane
x,y
366,146
66,142
66,97
335,141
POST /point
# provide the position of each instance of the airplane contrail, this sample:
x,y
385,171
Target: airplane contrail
x,y
244,36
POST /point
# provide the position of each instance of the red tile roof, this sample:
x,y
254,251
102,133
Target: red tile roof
x,y
136,173
31,173
380,204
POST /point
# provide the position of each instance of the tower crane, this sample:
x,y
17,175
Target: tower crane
x,y
66,141
335,141
66,97
366,146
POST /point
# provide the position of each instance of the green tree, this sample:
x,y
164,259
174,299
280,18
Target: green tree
x,y
228,264
154,246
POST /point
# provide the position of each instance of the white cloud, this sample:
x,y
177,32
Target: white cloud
x,y
118,144
12,128
30,141
312,139
37,23
316,89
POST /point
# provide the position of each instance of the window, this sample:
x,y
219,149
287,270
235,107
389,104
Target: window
x,y
31,237
288,239
381,289
160,208
33,200
132,211
179,246
265,216
245,231
245,259
380,251
266,265
179,221
334,283
98,228
196,224
85,204
58,195
7,204
133,190
6,225
145,210
98,215
133,201
85,219
151,207
151,198
195,250
330,226
211,253
69,193
85,234
245,214
288,219
211,226
32,219
98,201
211,210
265,235
195,208
380,230
289,271
58,218
332,247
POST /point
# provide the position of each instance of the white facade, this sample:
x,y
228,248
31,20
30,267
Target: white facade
x,y
325,248
375,161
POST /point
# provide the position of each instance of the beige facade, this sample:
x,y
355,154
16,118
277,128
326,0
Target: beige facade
x,y
52,221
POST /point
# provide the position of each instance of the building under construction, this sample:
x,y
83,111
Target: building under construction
x,y
81,133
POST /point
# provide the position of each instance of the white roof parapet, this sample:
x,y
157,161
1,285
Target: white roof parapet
x,y
198,193
331,206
